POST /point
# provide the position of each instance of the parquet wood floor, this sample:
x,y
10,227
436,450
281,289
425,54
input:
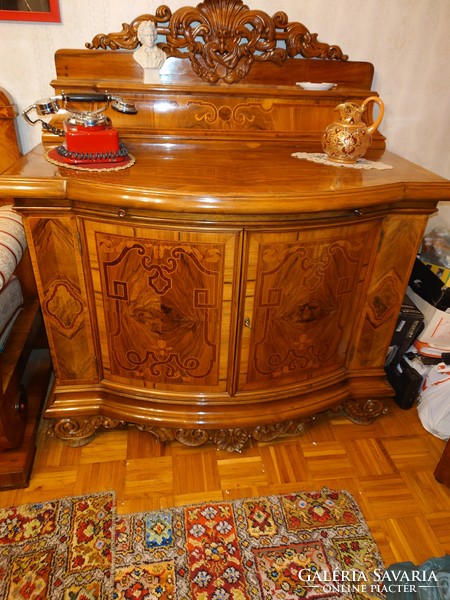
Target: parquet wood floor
x,y
387,466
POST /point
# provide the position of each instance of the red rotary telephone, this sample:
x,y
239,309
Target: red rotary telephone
x,y
90,137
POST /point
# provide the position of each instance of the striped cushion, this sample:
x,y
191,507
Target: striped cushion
x,y
11,302
12,242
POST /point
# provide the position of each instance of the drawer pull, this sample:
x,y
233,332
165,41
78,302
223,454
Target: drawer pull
x,y
121,213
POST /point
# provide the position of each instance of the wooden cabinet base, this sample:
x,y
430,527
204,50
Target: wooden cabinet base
x,y
229,428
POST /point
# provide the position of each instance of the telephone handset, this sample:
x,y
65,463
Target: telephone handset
x,y
90,137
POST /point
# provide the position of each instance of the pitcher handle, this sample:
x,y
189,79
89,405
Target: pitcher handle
x,y
372,128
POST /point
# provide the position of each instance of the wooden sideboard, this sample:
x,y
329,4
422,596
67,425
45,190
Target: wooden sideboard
x,y
219,289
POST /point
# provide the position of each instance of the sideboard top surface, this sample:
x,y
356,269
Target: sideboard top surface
x,y
232,178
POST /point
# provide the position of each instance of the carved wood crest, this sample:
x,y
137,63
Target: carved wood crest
x,y
223,38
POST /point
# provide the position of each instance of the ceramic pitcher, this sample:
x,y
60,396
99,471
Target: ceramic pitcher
x,y
349,138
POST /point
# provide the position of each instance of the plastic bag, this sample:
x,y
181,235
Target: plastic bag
x,y
434,401
436,247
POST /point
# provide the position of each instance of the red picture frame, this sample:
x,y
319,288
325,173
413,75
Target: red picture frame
x,y
52,15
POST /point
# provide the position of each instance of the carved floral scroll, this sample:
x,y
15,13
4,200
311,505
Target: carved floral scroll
x,y
223,38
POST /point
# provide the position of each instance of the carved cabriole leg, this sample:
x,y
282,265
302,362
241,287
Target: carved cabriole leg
x,y
79,432
364,411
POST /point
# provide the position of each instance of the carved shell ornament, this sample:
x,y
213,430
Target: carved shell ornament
x,y
223,38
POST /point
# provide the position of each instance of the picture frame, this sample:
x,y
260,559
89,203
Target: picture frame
x,y
43,11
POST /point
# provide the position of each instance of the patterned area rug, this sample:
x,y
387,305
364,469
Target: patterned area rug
x,y
58,550
304,545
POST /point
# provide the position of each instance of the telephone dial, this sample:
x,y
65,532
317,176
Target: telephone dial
x,y
89,135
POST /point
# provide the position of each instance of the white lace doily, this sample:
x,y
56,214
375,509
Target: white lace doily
x,y
322,159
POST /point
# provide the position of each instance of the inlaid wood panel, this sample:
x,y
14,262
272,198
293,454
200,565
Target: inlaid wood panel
x,y
302,296
63,297
400,240
163,304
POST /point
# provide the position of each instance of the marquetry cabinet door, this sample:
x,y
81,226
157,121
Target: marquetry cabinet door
x,y
164,303
302,301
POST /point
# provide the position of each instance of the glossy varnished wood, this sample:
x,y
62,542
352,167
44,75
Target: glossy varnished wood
x,y
180,107
216,298
228,180
80,67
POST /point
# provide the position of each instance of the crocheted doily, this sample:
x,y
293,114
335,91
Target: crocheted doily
x,y
322,159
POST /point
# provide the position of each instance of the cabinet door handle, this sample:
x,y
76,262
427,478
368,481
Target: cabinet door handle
x,y
247,322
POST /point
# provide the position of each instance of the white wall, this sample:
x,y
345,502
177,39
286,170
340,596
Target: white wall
x,y
406,40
